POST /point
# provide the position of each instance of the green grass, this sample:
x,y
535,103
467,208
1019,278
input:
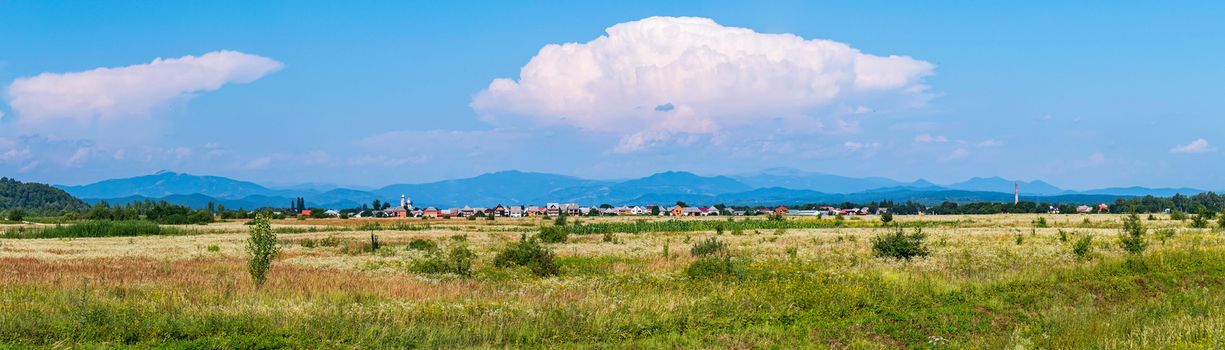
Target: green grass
x,y
94,229
775,303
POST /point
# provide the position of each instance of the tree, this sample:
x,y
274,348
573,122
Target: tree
x,y
377,205
886,217
606,206
1132,238
212,208
681,204
262,248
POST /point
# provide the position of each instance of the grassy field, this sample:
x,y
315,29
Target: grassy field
x,y
998,281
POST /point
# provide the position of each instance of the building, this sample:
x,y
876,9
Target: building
x,y
678,211
430,212
781,210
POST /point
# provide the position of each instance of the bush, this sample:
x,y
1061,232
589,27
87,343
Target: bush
x,y
886,217
214,248
1132,238
900,245
708,247
553,234
1083,247
531,254
712,266
1177,215
1165,234
1220,221
1041,223
1063,236
307,243
16,214
263,248
457,259
422,245
1199,220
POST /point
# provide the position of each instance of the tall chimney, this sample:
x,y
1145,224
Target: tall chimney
x,y
1016,193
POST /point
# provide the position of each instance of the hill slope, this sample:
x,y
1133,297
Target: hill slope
x,y
36,198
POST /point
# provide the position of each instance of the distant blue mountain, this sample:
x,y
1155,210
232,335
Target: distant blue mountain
x,y
998,184
769,187
801,180
167,183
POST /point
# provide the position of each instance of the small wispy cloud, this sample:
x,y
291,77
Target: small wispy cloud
x,y
1196,146
927,138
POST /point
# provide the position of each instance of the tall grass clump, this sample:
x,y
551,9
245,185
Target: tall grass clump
x,y
899,245
1132,237
708,247
1083,247
262,248
101,228
528,252
422,245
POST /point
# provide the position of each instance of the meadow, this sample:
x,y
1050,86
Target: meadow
x,y
988,281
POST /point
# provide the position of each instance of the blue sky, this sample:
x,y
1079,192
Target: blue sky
x,y
1084,95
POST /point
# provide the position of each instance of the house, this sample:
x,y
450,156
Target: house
x,y
533,211
396,212
417,212
807,212
1084,209
678,211
781,210
1103,208
430,212
571,209
305,212
332,212
515,211
467,211
500,210
691,211
552,209
708,211
1054,209
881,211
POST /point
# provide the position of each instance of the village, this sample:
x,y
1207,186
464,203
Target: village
x,y
406,209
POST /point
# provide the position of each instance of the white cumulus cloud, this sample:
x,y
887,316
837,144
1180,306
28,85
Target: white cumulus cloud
x,y
663,78
131,91
1196,146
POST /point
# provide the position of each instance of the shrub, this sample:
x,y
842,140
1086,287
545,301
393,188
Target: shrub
x,y
1178,215
793,252
886,217
1132,238
712,266
1041,222
422,244
708,247
214,248
610,237
1083,247
560,220
1199,220
457,259
900,245
1165,234
719,230
1020,239
263,248
1220,221
16,214
1063,236
307,243
553,234
528,253
1152,217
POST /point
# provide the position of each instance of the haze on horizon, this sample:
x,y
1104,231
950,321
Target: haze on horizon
x,y
1077,95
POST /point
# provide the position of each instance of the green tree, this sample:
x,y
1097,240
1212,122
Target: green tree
x,y
262,248
1132,238
886,217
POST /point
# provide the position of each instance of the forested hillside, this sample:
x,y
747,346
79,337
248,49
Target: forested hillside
x,y
36,198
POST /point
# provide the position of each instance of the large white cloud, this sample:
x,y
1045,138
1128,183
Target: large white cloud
x,y
652,79
1195,146
133,91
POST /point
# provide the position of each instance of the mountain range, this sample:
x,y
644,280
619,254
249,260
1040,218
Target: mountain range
x,y
768,187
